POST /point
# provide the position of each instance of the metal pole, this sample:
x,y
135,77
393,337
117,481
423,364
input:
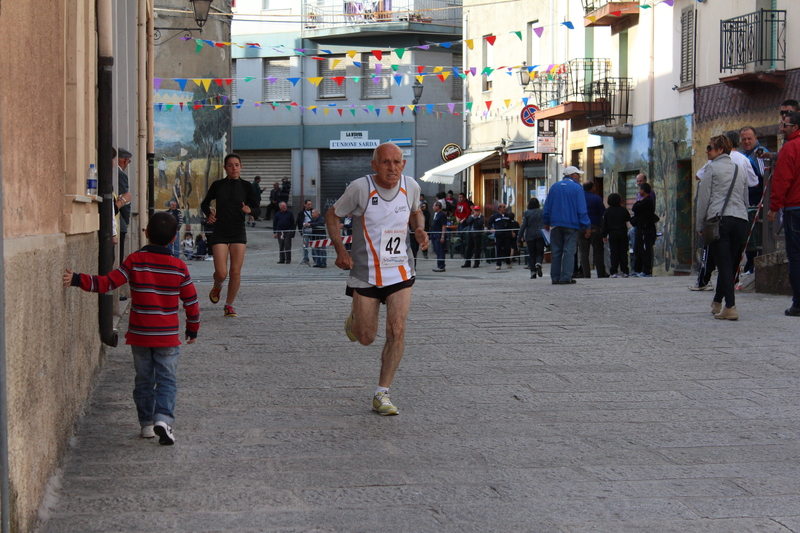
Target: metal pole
x,y
5,501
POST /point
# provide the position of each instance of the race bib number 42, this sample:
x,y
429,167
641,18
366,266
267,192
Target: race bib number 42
x,y
393,246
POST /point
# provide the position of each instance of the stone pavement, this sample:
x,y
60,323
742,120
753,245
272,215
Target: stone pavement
x,y
613,405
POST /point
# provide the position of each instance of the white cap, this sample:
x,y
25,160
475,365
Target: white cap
x,y
569,171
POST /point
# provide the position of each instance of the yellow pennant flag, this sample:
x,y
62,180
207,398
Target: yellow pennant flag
x,y
198,82
326,111
315,81
217,107
311,107
508,103
420,78
437,69
592,18
335,62
469,43
352,53
445,74
411,107
206,83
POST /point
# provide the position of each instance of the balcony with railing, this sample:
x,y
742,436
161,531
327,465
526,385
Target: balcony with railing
x,y
619,14
329,14
583,91
755,46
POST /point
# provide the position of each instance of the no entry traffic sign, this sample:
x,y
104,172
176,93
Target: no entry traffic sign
x,y
528,115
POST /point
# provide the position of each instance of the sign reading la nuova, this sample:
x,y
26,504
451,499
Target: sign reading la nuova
x,y
354,140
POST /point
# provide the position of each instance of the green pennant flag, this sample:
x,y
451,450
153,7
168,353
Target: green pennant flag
x,y
249,78
395,67
356,79
199,46
519,34
487,70
399,52
371,108
353,112
469,106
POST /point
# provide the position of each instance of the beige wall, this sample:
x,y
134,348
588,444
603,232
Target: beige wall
x,y
48,99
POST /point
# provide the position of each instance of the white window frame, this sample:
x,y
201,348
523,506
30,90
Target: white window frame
x,y
488,60
328,89
281,90
369,89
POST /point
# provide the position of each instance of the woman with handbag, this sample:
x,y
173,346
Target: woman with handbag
x,y
721,220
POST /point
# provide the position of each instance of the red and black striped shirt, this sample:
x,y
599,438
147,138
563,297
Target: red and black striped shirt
x,y
157,280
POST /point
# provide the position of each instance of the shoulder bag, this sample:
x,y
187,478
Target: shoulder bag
x,y
711,228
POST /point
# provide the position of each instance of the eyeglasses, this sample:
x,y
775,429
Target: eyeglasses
x,y
785,112
709,148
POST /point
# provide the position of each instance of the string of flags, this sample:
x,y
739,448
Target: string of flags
x,y
418,72
453,108
470,43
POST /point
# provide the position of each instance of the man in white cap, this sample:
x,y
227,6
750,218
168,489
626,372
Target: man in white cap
x,y
564,216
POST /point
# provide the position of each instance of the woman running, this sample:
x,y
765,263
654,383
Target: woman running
x,y
235,199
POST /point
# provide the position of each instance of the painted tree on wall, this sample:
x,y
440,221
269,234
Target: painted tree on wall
x,y
210,125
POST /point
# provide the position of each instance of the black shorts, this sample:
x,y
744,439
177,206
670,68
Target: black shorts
x,y
380,293
235,237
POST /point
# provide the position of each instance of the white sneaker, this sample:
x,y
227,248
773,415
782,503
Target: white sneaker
x,y
147,432
164,432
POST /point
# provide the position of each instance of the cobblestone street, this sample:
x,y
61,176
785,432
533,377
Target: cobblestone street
x,y
611,405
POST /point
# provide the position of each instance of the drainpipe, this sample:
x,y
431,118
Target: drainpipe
x,y
151,156
652,112
301,58
141,145
105,63
5,500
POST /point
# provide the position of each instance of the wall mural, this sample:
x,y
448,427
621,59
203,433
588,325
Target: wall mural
x,y
189,148
671,180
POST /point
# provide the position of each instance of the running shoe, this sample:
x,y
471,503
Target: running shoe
x,y
147,432
164,432
229,311
382,405
348,327
539,270
698,287
214,294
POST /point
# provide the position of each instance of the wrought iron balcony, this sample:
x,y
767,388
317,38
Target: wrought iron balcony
x,y
332,13
757,39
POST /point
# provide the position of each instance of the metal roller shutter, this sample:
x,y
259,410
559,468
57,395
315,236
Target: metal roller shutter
x,y
271,165
337,169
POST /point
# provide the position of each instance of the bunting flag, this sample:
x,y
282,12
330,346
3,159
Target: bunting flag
x,y
399,52
156,83
378,55
569,25
469,43
518,34
491,39
538,31
315,81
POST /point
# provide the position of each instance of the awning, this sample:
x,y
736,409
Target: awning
x,y
446,173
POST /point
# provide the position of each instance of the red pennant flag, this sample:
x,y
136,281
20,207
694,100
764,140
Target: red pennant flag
x,y
617,13
420,68
198,106
340,112
391,109
218,82
181,104
488,104
221,45
441,77
228,81
378,54
338,80
402,110
491,39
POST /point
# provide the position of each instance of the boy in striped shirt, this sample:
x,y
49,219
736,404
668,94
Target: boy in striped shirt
x,y
157,280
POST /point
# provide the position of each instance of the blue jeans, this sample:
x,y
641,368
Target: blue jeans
x,y
306,240
175,246
320,256
791,229
563,243
156,383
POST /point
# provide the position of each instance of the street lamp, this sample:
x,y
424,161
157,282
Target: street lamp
x,y
417,87
201,8
524,75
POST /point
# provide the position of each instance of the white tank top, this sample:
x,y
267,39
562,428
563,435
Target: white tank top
x,y
381,239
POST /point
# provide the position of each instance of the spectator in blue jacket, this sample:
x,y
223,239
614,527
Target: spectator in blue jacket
x,y
564,216
596,209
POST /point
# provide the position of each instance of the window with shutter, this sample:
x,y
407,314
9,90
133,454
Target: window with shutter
x,y
488,61
458,82
234,98
687,47
328,88
369,87
281,89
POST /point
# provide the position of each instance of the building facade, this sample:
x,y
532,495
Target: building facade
x,y
322,84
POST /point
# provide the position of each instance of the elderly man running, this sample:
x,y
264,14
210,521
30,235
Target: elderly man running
x,y
383,205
